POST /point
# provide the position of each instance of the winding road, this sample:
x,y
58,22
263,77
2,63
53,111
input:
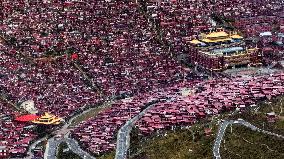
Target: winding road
x,y
123,139
222,130
53,144
123,136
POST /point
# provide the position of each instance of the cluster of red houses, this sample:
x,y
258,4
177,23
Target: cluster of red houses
x,y
268,30
206,99
54,87
114,44
214,98
122,51
15,137
98,134
253,26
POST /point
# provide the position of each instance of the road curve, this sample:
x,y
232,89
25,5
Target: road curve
x,y
222,130
53,144
123,136
74,146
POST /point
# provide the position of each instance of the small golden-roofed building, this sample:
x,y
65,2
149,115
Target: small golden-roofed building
x,y
216,40
48,119
196,42
217,34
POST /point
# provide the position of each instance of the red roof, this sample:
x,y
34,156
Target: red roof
x,y
74,56
26,118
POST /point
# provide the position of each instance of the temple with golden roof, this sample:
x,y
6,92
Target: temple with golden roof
x,y
48,119
220,50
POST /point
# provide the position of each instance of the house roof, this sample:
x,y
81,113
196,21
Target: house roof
x,y
216,40
268,33
195,42
236,36
216,34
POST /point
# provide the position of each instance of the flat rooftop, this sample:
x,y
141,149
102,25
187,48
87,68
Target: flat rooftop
x,y
227,50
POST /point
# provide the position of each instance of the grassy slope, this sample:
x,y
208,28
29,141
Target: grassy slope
x,y
107,156
177,145
66,155
86,116
245,143
90,114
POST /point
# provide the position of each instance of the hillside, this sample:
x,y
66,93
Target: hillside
x,y
239,141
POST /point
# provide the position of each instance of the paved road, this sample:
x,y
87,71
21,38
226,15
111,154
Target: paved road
x,y
51,148
222,130
32,146
123,136
52,145
74,146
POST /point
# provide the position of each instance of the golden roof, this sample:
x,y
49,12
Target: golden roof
x,y
195,41
236,36
214,41
217,34
47,115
